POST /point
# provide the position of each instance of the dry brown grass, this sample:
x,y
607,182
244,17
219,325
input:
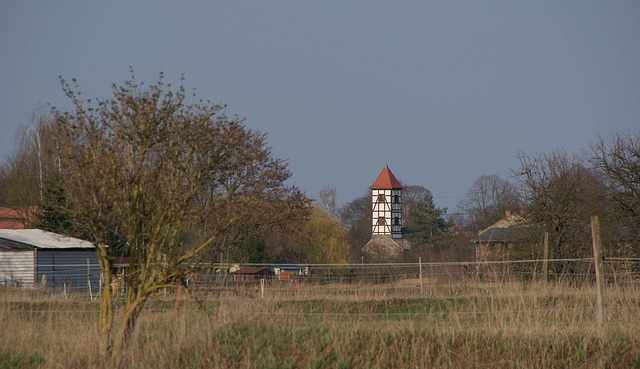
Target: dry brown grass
x,y
342,325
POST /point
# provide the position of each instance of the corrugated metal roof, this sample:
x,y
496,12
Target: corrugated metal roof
x,y
44,240
386,179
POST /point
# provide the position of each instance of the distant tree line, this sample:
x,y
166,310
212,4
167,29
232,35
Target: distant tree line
x,y
554,192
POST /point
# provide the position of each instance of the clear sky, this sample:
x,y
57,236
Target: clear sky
x,y
445,91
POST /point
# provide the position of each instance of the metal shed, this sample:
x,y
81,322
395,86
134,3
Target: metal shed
x,y
30,257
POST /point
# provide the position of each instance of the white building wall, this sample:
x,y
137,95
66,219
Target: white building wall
x,y
381,211
16,268
386,216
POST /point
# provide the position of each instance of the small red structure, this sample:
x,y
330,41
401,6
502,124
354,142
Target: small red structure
x,y
252,274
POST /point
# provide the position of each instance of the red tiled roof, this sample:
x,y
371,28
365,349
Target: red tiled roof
x,y
386,179
8,213
11,219
11,224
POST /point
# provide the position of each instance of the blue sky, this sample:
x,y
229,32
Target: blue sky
x,y
445,91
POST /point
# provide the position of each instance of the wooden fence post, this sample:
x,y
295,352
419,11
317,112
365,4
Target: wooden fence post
x,y
89,280
420,262
598,261
175,319
545,256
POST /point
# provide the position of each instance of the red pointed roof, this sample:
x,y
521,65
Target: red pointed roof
x,y
386,179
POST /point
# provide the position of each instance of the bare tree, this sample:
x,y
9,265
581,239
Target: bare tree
x,y
25,174
134,169
250,186
19,184
561,194
328,200
487,200
618,157
355,217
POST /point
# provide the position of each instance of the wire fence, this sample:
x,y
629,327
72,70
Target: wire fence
x,y
577,272
470,292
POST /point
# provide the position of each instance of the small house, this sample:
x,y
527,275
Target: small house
x,y
507,239
32,257
252,274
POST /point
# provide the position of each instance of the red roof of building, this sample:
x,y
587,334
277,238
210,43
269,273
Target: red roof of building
x,y
11,224
386,179
11,219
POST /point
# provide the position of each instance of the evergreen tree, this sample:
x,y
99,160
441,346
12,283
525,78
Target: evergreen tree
x,y
253,250
52,216
427,222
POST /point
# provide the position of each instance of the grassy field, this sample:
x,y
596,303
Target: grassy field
x,y
393,325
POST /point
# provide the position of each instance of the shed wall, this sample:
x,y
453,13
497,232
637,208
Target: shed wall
x,y
68,268
16,268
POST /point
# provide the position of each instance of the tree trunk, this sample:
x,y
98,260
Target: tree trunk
x,y
127,324
106,303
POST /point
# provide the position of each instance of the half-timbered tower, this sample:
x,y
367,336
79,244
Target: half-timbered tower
x,y
386,205
386,242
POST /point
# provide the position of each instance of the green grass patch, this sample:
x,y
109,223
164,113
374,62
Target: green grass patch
x,y
32,360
